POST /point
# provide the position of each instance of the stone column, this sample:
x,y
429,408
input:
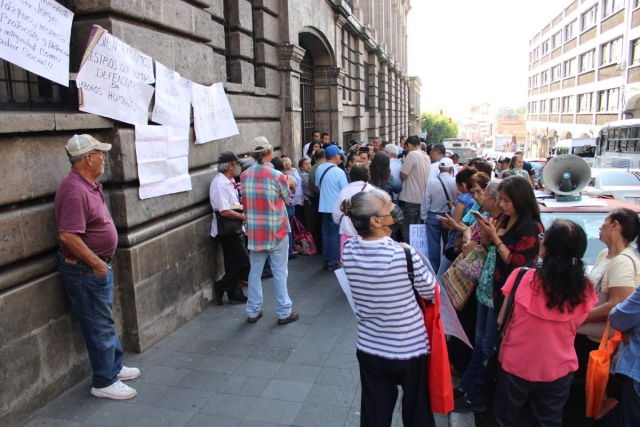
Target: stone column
x,y
289,59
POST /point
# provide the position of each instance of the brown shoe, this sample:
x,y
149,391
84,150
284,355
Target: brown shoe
x,y
254,319
292,318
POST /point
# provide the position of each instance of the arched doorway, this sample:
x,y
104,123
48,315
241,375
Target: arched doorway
x,y
307,98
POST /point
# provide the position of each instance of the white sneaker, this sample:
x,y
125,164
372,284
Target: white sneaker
x,y
117,391
127,373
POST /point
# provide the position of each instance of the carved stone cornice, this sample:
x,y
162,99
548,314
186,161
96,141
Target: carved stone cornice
x,y
289,57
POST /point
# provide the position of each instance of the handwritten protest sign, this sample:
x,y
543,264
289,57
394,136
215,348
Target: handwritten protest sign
x,y
212,116
114,79
163,160
172,106
35,34
418,238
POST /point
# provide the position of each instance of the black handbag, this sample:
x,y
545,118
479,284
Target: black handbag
x,y
228,227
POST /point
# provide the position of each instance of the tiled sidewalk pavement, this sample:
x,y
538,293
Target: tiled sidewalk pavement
x,y
220,371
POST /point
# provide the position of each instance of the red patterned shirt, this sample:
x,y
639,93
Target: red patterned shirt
x,y
264,196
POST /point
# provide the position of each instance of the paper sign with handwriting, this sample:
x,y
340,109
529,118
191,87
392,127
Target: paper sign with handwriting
x,y
35,34
172,106
212,116
114,79
162,153
418,238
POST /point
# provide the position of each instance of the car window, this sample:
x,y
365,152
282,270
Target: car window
x,y
590,222
619,178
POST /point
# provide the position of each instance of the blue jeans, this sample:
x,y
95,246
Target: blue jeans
x,y
330,240
291,211
486,333
278,260
435,233
92,303
444,266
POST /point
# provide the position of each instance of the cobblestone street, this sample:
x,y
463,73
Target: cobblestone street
x,y
219,371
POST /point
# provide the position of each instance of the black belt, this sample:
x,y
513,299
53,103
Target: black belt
x,y
105,259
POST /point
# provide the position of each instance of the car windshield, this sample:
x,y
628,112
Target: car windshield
x,y
590,222
585,151
611,178
537,165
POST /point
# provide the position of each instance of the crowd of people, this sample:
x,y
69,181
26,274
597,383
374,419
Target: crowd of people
x,y
358,205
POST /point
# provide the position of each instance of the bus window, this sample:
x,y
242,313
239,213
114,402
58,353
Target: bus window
x,y
615,133
622,146
624,133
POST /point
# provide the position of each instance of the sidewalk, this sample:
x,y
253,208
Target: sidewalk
x,y
220,371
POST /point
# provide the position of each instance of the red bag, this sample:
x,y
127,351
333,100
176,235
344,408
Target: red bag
x,y
302,239
438,367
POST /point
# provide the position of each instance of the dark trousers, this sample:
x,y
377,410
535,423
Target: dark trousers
x,y
547,399
236,266
314,221
380,379
411,213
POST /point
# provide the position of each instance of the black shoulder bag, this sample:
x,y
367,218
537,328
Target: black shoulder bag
x,y
491,364
322,177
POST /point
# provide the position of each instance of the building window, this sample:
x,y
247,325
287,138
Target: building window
x,y
611,52
544,76
570,31
612,6
543,106
536,53
589,18
545,47
584,102
569,104
608,100
556,40
586,61
635,54
533,107
555,105
570,67
536,80
556,72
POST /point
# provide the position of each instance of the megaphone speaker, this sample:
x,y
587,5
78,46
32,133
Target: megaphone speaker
x,y
566,175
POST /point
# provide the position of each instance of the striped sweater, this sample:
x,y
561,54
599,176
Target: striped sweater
x,y
390,324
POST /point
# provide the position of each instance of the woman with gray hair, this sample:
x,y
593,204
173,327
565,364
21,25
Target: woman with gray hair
x,y
392,343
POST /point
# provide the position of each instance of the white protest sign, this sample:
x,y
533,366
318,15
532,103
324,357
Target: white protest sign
x,y
212,115
344,284
35,34
172,106
418,238
162,153
450,321
114,79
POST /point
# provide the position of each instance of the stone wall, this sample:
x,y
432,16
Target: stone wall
x,y
165,262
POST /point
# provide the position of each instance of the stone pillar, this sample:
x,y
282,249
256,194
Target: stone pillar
x,y
383,99
289,59
374,93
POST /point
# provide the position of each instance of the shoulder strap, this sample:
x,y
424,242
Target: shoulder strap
x,y
632,262
410,272
323,174
444,189
509,310
363,187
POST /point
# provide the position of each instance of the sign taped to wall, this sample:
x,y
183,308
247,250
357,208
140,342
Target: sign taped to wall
x,y
35,35
114,79
172,105
212,115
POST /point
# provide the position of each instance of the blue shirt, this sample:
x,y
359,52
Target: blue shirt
x,y
334,181
625,317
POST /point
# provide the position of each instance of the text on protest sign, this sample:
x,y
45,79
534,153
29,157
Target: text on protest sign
x,y
418,238
114,79
172,105
212,115
35,35
162,153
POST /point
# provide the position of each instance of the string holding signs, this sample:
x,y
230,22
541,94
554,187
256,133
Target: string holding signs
x,y
173,98
114,79
162,153
212,115
35,35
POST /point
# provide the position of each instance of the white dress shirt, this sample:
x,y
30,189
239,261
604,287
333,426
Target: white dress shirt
x,y
346,226
222,194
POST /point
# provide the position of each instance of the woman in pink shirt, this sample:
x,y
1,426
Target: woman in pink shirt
x,y
537,356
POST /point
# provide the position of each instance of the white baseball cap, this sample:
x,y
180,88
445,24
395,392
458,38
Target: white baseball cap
x,y
445,162
81,144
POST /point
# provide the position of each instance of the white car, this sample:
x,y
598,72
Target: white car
x,y
614,183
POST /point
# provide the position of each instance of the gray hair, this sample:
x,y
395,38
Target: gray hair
x,y
223,167
492,189
391,150
76,159
362,206
377,138
262,148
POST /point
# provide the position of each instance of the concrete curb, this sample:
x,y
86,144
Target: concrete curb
x,y
462,420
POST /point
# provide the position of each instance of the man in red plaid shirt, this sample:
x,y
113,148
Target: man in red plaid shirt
x,y
264,196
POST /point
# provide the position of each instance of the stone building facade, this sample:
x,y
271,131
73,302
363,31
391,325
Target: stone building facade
x,y
290,66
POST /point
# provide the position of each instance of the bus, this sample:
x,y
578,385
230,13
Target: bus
x,y
618,145
464,148
582,147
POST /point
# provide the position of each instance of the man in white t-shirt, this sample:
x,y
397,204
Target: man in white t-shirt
x,y
315,136
394,164
415,176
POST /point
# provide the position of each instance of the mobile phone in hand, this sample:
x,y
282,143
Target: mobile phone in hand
x,y
478,216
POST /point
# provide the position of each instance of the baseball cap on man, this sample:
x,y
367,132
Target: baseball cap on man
x,y
445,162
81,144
228,157
332,150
